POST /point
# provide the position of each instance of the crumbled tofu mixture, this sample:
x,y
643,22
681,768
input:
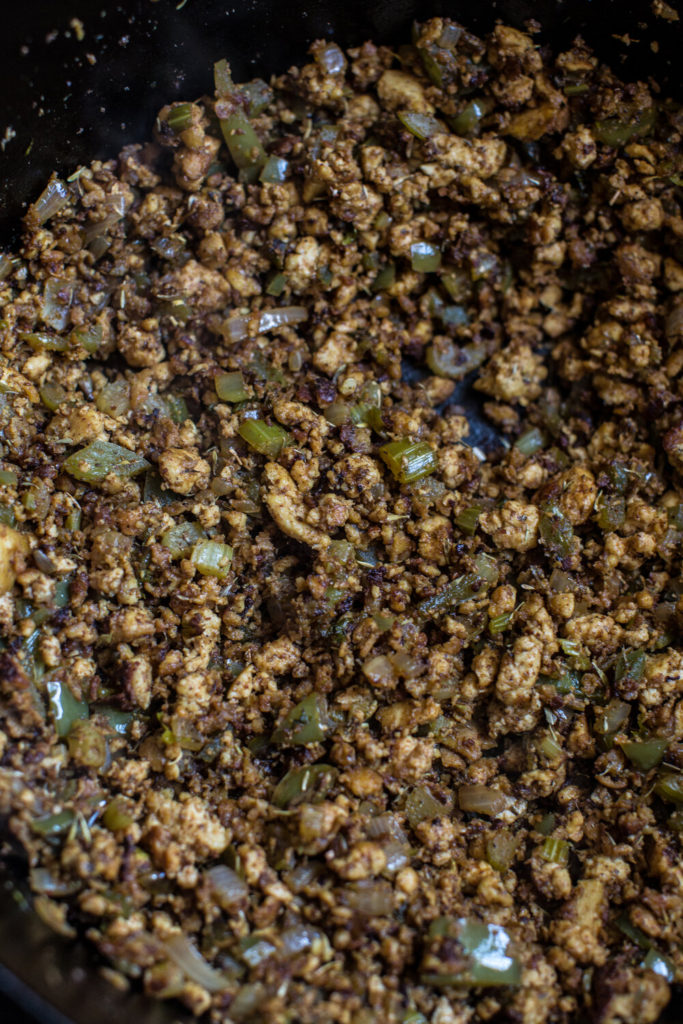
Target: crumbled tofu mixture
x,y
312,710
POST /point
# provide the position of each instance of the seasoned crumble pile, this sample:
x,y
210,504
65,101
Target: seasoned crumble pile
x,y
315,710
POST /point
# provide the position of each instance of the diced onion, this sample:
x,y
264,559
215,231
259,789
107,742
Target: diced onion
x,y
227,885
370,897
54,196
236,328
331,58
190,960
481,800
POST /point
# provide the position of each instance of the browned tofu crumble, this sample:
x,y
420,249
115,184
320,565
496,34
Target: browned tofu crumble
x,y
312,709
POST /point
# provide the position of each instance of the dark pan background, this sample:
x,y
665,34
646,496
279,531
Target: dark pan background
x,y
65,101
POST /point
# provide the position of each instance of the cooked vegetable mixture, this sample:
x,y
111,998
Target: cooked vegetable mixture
x,y
314,710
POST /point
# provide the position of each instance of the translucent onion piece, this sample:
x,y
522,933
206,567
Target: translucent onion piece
x,y
189,959
227,886
54,196
236,328
331,59
370,897
481,799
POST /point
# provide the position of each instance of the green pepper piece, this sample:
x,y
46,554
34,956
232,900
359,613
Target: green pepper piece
x,y
181,538
486,947
645,754
611,512
305,723
660,964
628,671
275,170
669,786
53,825
96,461
462,588
422,126
308,784
90,337
65,708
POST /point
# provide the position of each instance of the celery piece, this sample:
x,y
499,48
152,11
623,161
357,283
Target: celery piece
x,y
468,519
212,558
181,538
177,408
7,516
65,708
230,387
530,442
425,257
179,118
119,721
556,851
276,285
243,143
8,478
409,460
258,96
61,594
96,461
501,849
499,623
308,784
41,342
267,439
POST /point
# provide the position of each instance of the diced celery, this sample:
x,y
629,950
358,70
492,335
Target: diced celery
x,y
230,387
267,439
409,460
212,558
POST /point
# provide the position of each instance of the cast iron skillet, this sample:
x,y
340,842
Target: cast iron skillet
x,y
67,99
